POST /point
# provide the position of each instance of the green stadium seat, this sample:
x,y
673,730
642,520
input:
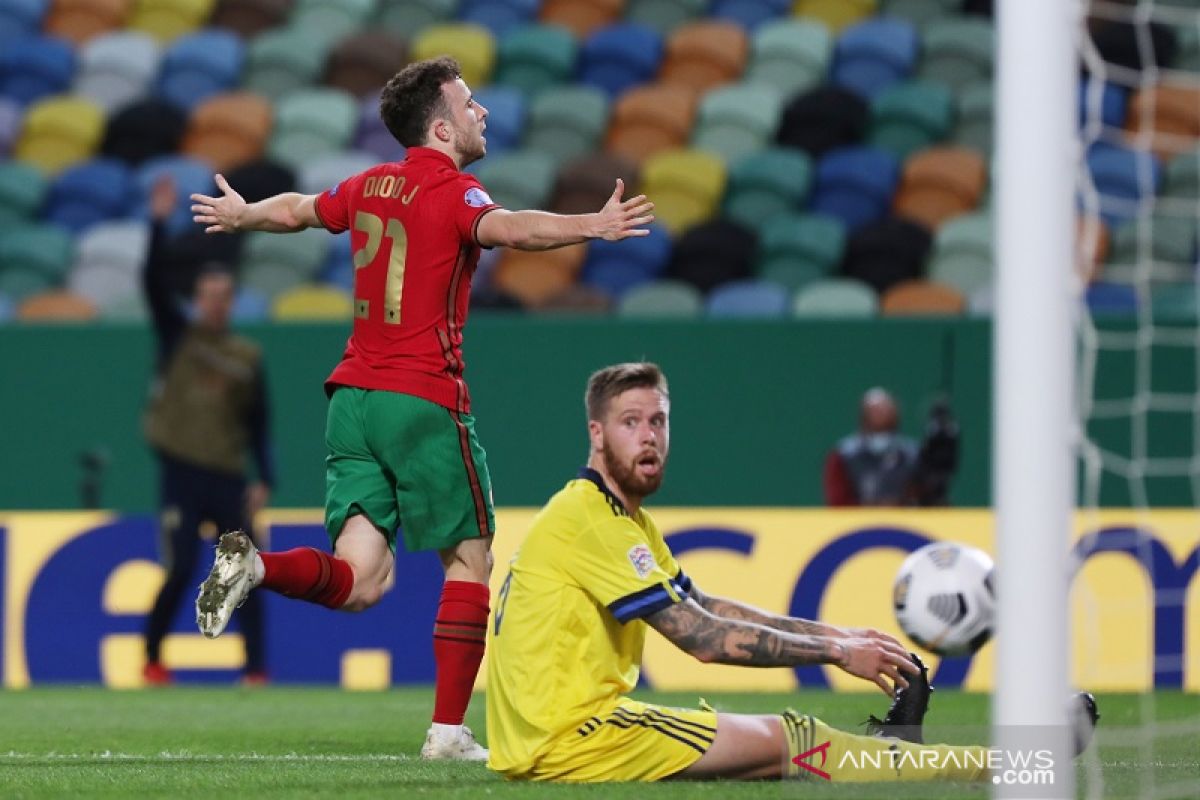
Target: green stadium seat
x,y
22,190
963,255
957,52
767,183
269,280
909,117
1182,177
43,249
1174,303
920,12
519,179
302,253
666,298
686,186
737,120
472,45
567,121
791,55
534,57
311,123
974,126
797,249
282,61
18,283
664,16
835,297
1173,250
332,19
409,17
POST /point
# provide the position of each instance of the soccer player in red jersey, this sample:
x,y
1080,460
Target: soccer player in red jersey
x,y
400,435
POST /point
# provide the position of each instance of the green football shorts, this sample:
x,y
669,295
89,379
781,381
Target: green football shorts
x,y
407,463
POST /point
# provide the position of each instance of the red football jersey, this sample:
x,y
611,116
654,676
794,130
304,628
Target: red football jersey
x,y
412,228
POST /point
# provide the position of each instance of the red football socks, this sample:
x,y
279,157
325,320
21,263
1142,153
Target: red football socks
x,y
458,637
308,574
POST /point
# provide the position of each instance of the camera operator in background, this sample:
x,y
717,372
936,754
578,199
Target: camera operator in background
x,y
879,466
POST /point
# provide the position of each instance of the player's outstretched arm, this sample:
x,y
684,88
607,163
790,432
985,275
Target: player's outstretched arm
x,y
716,640
283,213
541,230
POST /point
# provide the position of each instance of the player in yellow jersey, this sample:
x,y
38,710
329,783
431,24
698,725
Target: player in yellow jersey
x,y
565,643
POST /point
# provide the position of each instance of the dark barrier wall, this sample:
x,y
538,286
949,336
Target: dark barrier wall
x,y
755,405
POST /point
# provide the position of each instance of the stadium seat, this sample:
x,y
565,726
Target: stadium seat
x,y
884,253
1169,115
144,130
617,57
472,45
249,18
259,180
1172,241
577,300
567,122
920,12
498,16
56,306
665,298
23,190
506,119
373,135
940,183
874,55
963,255
855,185
34,67
823,119
750,14
7,308
312,302
735,121
42,249
361,64
651,118
712,253
59,132
168,19
90,192
1174,303
535,56
21,18
284,60
797,249
117,68
18,283
301,253
10,124
190,176
1111,299
199,65
767,183
836,14
332,20
409,17
325,172
78,21
835,297
119,246
535,277
338,269
519,179
974,124
1116,173
791,55
922,298
909,117
584,185
104,287
618,267
250,305
957,51
686,186
1123,42
581,17
1182,176
228,130
705,54
310,123
664,16
1106,102
751,298
1187,50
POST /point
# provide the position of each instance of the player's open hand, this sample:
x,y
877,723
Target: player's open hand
x,y
880,661
620,219
219,214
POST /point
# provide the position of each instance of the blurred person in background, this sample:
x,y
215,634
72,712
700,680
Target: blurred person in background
x,y
207,409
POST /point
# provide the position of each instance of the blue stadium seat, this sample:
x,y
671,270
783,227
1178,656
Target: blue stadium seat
x,y
1112,299
1116,173
616,57
34,67
875,54
749,298
338,268
10,124
191,176
89,193
498,16
855,184
750,13
21,18
506,116
1113,102
617,267
200,65
250,305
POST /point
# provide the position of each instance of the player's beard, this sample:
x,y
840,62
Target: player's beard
x,y
470,146
628,479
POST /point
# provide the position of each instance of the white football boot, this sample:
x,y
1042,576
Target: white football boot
x,y
227,585
460,746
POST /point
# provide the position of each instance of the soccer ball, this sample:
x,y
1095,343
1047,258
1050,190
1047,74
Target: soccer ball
x,y
944,598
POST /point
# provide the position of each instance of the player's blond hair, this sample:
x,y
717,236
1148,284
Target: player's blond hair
x,y
607,383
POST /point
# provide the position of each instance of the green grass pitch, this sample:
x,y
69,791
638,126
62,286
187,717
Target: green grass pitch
x,y
290,743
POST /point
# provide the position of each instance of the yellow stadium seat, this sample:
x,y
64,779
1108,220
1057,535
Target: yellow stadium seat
x,y
60,131
168,19
57,306
685,185
312,302
472,45
836,14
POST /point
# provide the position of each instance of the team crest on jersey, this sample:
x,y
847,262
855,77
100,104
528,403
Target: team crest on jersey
x,y
642,560
477,198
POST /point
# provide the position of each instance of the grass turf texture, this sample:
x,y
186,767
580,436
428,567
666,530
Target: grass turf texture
x,y
265,743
